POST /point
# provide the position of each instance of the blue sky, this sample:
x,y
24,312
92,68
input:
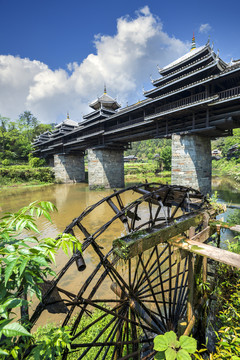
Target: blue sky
x,y
55,55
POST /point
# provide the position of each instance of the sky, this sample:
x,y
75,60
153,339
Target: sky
x,y
56,55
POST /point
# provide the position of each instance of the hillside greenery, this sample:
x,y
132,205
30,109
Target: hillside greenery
x,y
16,136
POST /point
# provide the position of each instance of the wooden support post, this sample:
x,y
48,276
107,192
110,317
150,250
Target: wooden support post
x,y
204,264
190,280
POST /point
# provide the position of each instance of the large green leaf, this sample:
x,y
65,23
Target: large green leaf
x,y
183,355
170,354
187,343
23,265
41,260
172,339
9,270
160,343
4,352
15,329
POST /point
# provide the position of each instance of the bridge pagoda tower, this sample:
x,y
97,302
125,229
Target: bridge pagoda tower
x,y
105,162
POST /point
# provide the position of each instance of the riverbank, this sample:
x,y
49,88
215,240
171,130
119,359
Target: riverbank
x,y
24,176
227,168
21,176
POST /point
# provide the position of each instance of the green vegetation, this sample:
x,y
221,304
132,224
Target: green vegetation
x,y
15,148
170,348
140,172
227,291
24,264
229,164
224,167
18,174
16,136
152,149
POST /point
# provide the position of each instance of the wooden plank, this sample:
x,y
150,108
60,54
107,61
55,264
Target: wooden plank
x,y
203,235
225,225
133,244
220,255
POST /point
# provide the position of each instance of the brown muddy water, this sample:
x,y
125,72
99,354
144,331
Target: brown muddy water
x,y
71,200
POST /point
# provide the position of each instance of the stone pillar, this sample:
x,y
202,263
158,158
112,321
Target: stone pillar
x,y
192,162
69,168
105,168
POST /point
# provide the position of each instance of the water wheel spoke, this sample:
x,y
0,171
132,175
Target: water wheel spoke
x,y
161,282
94,342
141,276
110,338
151,270
122,216
134,218
148,294
150,213
151,289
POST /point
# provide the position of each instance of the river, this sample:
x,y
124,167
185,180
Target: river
x,y
71,200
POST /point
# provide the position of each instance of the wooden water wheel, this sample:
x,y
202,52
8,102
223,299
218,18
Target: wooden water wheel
x,y
139,287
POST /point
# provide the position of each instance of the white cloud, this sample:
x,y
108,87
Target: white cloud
x,y
204,28
124,61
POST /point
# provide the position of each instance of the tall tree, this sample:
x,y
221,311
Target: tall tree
x,y
27,123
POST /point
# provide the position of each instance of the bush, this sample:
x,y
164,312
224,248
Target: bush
x,y
6,162
36,162
25,173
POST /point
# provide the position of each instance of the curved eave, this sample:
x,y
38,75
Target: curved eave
x,y
229,70
182,78
184,88
102,111
158,82
177,63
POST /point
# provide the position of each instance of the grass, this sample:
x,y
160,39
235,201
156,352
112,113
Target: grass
x,y
88,336
140,172
224,167
24,175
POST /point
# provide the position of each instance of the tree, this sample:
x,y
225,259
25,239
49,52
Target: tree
x,y
23,269
16,137
3,131
27,122
166,156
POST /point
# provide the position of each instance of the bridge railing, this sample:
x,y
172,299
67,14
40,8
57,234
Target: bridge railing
x,y
185,101
229,93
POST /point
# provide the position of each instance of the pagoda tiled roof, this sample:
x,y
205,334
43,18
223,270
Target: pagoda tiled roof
x,y
180,78
67,122
106,101
185,58
183,68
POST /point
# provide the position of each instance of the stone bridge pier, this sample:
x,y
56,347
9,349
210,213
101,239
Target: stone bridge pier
x,y
191,165
105,168
69,168
192,162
